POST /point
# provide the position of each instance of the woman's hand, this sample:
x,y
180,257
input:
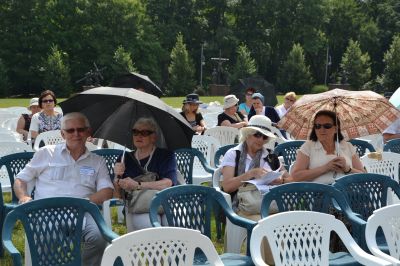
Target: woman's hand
x,y
257,172
259,110
341,165
127,183
119,169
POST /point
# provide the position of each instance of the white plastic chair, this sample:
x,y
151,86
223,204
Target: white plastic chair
x,y
235,235
11,124
160,246
211,119
207,145
302,238
51,137
9,136
387,218
385,163
225,135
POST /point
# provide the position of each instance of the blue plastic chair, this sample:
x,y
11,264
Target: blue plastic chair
x,y
185,160
191,206
366,192
221,152
14,163
288,150
53,227
392,145
362,146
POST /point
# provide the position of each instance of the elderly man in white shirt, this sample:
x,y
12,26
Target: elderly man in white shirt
x,y
69,169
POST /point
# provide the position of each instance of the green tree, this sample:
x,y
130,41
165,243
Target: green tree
x,y
391,77
356,65
294,75
181,70
122,61
245,65
56,75
4,82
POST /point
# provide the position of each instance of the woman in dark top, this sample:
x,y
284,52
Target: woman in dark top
x,y
24,122
231,117
190,111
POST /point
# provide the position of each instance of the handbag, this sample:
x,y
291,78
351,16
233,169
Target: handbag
x,y
138,201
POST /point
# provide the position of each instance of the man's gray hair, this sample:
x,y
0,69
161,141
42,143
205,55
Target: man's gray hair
x,y
74,116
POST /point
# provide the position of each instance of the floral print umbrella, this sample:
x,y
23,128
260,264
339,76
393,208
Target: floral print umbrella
x,y
361,113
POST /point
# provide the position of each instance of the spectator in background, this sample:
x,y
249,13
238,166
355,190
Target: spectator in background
x,y
24,122
48,119
392,132
258,108
190,111
231,117
245,107
289,100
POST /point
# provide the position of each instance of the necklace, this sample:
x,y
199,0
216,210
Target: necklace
x,y
148,161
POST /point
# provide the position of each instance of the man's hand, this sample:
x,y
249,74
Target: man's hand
x,y
24,199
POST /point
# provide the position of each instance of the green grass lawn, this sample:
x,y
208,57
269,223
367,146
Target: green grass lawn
x,y
175,102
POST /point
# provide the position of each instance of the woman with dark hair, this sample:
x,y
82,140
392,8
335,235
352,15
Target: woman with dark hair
x,y
48,119
318,159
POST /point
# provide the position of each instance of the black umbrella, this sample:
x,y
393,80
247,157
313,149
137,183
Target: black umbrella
x,y
137,81
113,111
261,85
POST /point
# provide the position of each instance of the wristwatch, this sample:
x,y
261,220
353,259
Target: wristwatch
x,y
139,185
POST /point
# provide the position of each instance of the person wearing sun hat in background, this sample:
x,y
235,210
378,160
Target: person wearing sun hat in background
x,y
190,111
24,122
231,117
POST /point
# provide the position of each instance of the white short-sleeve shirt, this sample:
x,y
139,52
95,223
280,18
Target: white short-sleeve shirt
x,y
56,174
318,157
394,128
281,110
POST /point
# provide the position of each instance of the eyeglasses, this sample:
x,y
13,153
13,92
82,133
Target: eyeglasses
x,y
326,126
249,94
290,100
143,133
48,101
78,129
260,135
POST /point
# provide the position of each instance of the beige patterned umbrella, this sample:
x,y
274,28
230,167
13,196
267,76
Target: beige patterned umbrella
x,y
361,113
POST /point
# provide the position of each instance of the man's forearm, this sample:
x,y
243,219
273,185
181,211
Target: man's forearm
x,y
100,196
20,189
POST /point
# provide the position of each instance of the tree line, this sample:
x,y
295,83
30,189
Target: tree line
x,y
294,44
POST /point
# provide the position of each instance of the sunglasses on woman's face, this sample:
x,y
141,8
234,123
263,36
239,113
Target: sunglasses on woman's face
x,y
48,101
326,126
143,133
260,135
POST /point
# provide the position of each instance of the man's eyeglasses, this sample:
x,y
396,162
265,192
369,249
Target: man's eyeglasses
x,y
48,101
290,100
326,126
144,133
78,129
260,135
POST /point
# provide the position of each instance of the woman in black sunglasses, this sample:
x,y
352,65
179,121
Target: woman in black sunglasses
x,y
146,158
326,156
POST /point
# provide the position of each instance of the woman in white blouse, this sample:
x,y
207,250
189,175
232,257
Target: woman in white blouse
x,y
318,160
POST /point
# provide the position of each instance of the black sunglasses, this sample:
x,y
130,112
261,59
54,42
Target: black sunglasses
x,y
78,129
144,133
260,135
48,101
326,126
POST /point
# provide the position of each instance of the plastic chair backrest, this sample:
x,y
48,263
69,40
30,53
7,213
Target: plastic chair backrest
x,y
388,219
185,162
221,152
111,156
225,135
11,124
9,137
51,137
53,227
288,150
160,246
387,165
302,238
392,145
14,163
366,192
207,145
362,146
